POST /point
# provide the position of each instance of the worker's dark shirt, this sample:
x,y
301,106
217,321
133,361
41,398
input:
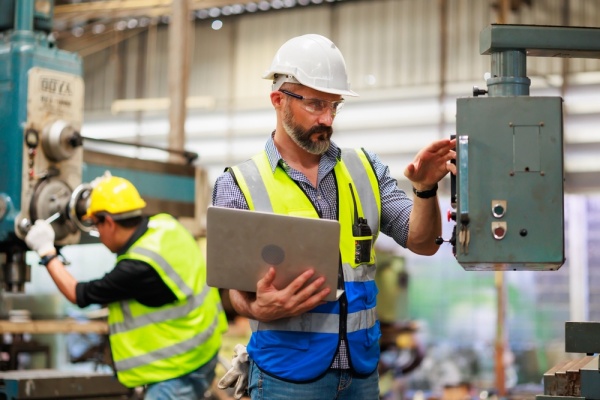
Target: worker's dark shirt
x,y
130,279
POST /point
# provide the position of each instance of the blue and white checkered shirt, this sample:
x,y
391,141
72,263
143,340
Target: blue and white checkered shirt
x,y
395,205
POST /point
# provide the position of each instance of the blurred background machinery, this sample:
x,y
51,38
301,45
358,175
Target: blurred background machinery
x,y
576,378
46,167
41,93
401,349
44,175
41,112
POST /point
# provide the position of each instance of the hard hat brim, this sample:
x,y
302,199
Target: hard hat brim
x,y
292,79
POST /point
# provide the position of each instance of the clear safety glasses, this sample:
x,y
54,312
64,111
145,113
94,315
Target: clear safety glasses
x,y
317,106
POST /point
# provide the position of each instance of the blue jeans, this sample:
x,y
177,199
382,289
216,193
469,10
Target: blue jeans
x,y
334,385
187,387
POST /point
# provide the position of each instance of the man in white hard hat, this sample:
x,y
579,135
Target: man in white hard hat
x,y
301,346
165,322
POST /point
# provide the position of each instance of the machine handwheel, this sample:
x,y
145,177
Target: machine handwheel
x,y
51,196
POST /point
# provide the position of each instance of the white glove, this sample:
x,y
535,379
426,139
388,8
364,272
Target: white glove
x,y
237,376
41,238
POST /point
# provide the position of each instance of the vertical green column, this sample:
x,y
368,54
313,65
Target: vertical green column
x,y
509,74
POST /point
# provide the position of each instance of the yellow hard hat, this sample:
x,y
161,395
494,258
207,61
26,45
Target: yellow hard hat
x,y
116,196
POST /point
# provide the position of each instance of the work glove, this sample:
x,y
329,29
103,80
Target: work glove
x,y
237,376
41,238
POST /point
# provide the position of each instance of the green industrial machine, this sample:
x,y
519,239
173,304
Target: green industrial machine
x,y
44,175
45,168
41,113
508,191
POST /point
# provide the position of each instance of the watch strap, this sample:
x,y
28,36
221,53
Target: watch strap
x,y
426,194
47,258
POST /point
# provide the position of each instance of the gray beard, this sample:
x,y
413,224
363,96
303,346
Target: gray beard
x,y
302,137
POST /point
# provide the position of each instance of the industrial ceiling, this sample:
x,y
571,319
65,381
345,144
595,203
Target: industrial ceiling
x,y
86,26
72,13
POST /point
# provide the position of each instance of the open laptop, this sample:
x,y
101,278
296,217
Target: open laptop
x,y
242,244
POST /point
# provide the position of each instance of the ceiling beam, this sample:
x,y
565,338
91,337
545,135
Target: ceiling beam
x,y
81,13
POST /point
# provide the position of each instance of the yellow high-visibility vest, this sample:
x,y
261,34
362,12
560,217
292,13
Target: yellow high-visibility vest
x,y
153,344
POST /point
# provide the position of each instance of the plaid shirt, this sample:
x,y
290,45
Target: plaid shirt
x,y
395,205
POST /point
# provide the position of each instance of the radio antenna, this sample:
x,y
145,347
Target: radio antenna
x,y
354,202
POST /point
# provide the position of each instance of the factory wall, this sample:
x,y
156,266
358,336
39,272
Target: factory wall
x,y
408,60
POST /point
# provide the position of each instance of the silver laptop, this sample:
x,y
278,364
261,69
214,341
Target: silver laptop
x,y
242,244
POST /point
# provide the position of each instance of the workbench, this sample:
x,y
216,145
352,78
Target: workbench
x,y
42,384
20,344
67,325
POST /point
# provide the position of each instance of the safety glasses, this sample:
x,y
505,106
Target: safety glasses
x,y
316,106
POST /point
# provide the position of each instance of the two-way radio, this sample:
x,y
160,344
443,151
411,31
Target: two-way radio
x,y
363,237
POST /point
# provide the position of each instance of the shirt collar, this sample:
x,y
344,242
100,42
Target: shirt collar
x,y
334,153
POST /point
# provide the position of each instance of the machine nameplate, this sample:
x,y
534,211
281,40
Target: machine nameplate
x,y
53,168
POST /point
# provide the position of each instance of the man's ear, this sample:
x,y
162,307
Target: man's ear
x,y
276,99
109,221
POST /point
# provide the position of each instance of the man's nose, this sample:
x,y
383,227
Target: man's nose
x,y
326,117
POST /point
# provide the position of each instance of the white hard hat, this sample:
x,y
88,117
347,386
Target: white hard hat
x,y
313,61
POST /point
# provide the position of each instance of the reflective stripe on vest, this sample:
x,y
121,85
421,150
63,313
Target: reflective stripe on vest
x,y
311,339
356,167
259,197
166,267
319,323
129,322
362,273
327,323
181,347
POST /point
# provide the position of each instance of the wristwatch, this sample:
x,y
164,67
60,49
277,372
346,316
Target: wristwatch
x,y
47,258
426,194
